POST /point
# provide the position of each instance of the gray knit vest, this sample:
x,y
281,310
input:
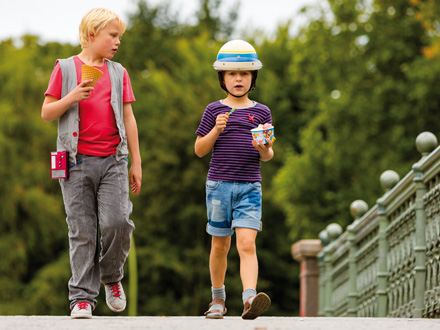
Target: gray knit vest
x,y
68,124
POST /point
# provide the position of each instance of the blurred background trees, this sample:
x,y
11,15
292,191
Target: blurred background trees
x,y
348,94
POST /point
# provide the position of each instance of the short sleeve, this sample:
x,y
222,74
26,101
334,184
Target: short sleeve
x,y
128,90
207,123
268,117
55,82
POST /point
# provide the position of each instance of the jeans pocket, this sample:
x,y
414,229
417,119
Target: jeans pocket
x,y
256,185
212,185
78,161
123,158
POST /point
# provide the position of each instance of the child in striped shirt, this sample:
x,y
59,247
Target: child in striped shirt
x,y
233,186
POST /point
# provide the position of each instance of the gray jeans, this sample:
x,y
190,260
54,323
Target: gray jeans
x,y
96,196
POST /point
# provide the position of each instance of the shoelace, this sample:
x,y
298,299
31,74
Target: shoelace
x,y
83,305
116,292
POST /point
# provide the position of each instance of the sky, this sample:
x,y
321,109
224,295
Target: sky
x,y
58,20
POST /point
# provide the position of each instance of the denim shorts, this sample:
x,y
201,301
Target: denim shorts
x,y
232,204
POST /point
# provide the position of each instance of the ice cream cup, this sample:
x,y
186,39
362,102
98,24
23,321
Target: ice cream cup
x,y
264,135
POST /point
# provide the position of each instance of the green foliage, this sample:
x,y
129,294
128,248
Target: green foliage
x,y
365,85
348,95
32,229
170,68
46,293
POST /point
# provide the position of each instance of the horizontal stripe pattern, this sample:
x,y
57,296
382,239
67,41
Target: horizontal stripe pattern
x,y
237,57
233,156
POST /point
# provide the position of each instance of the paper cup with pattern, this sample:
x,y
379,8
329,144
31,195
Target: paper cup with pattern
x,y
263,134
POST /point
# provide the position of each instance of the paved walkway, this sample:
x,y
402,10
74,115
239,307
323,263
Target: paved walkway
x,y
200,323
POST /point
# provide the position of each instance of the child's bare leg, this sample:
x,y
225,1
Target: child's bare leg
x,y
218,260
217,267
248,257
254,304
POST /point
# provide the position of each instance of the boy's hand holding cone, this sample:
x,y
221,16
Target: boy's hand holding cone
x,y
89,72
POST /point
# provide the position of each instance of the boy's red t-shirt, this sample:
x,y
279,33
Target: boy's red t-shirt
x,y
98,132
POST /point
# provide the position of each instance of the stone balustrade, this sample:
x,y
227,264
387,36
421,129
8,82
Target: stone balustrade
x,y
387,262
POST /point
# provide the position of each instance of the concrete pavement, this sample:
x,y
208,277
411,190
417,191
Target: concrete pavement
x,y
199,323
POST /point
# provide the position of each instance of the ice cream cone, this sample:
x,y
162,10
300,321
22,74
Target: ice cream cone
x,y
89,72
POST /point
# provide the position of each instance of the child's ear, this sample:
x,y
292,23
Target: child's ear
x,y
92,36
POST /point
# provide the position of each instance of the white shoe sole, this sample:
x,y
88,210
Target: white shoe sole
x,y
81,316
116,310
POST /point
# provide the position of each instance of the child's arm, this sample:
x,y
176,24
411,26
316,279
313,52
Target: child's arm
x,y
53,108
131,130
265,150
204,144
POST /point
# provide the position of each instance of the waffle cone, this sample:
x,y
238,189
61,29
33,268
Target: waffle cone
x,y
89,72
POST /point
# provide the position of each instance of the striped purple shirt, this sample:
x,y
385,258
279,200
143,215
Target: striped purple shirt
x,y
233,157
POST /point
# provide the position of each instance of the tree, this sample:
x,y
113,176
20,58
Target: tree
x,y
170,68
32,230
360,68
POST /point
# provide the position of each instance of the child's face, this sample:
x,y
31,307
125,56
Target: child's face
x,y
107,41
238,82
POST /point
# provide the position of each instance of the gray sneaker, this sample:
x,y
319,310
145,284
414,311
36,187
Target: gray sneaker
x,y
115,296
81,310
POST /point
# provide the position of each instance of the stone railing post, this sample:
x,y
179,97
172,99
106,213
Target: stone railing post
x,y
306,252
388,180
357,209
328,289
321,302
325,240
425,142
330,234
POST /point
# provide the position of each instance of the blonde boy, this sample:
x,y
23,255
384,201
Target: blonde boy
x,y
98,128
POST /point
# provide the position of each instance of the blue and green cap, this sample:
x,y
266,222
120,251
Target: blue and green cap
x,y
237,55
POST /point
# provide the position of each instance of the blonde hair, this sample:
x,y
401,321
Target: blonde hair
x,y
96,20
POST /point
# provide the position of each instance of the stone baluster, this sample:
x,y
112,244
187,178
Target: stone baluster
x,y
333,231
388,180
425,143
357,210
325,240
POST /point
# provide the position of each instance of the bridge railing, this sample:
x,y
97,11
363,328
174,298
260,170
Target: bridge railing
x,y
387,262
